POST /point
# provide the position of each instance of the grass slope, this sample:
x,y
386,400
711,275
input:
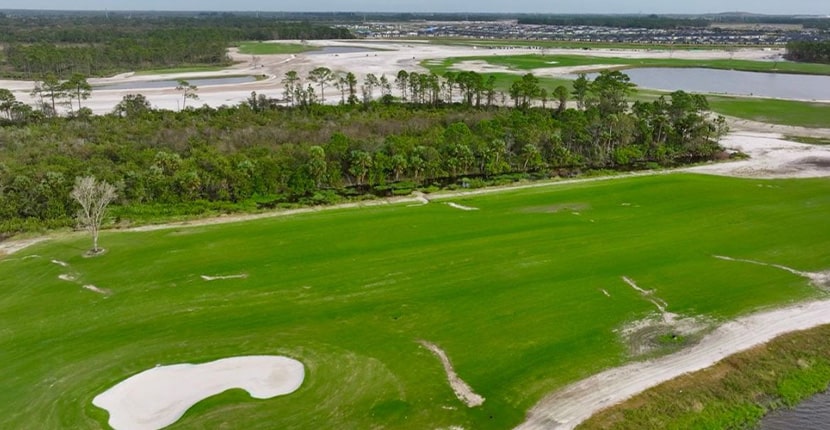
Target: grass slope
x,y
260,48
512,293
531,62
786,112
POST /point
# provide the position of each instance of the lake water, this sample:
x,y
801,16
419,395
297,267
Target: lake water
x,y
699,80
138,85
813,414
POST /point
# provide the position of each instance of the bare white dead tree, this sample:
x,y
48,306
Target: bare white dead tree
x,y
94,197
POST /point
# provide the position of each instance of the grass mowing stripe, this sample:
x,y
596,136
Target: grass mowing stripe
x,y
512,293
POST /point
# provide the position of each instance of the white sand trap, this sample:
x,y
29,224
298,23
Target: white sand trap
x,y
60,263
461,389
462,207
221,278
158,397
67,277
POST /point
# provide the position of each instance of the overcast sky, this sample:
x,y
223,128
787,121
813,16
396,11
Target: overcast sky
x,y
820,7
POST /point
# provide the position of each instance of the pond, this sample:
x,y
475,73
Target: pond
x,y
138,85
699,80
812,414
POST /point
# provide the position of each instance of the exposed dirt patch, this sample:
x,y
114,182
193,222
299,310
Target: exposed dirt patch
x,y
463,391
222,278
95,289
566,408
664,332
562,207
770,156
9,247
817,279
462,207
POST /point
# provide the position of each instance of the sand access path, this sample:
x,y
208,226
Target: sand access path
x,y
771,156
566,408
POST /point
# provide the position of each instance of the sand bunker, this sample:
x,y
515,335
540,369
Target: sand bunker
x,y
158,397
67,277
463,208
463,391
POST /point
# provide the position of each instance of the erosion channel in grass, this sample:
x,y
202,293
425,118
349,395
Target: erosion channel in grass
x,y
524,295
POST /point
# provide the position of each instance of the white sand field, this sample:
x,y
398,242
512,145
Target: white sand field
x,y
388,58
158,397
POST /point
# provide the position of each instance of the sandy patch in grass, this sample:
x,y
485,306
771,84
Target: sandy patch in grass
x,y
566,408
222,278
647,335
67,277
817,279
158,397
95,289
770,157
461,389
461,207
552,209
11,246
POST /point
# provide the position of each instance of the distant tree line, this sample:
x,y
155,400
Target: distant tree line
x,y
261,154
97,46
809,52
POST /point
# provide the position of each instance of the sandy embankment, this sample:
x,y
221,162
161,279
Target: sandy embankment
x,y
575,403
158,397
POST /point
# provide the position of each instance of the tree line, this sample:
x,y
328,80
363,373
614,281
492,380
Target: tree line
x,y
261,154
97,46
809,51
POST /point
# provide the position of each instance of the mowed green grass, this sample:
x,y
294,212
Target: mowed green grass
x,y
531,62
266,48
787,112
512,293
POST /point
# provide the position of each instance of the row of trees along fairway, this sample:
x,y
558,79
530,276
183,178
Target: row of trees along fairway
x,y
260,154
